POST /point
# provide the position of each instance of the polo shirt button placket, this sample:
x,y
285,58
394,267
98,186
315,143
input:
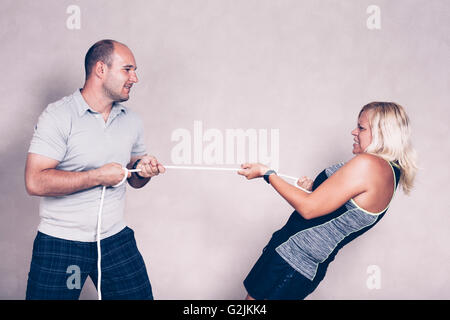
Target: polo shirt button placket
x,y
100,118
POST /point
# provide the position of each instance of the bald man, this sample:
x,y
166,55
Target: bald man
x,y
80,144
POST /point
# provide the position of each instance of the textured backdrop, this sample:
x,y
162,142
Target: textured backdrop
x,y
299,69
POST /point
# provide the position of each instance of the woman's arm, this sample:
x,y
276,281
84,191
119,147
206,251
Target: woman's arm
x,y
349,181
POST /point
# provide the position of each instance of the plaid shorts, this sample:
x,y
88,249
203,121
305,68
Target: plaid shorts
x,y
59,268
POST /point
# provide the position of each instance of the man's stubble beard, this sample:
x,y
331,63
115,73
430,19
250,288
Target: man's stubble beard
x,y
113,96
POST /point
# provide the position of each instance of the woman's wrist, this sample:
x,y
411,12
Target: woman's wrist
x,y
267,175
263,170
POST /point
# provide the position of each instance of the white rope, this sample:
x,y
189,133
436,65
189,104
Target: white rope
x,y
99,217
201,168
295,180
99,250
231,169
99,225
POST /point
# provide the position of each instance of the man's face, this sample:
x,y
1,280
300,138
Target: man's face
x,y
121,76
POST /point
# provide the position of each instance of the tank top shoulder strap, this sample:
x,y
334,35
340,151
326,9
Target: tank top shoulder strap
x,y
396,170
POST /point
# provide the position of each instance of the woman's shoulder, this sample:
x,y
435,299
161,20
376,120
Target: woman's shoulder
x,y
369,165
361,165
367,159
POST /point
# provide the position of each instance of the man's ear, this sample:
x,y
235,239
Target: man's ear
x,y
100,69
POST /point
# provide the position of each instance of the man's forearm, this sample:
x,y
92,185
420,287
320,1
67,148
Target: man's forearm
x,y
52,182
137,183
148,166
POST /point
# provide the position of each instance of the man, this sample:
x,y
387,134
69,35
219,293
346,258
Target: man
x,y
80,144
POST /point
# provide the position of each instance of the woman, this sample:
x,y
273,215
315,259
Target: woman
x,y
346,201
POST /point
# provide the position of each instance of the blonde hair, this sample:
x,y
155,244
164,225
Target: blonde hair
x,y
391,139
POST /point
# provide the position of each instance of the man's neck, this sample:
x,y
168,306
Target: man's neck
x,y
96,100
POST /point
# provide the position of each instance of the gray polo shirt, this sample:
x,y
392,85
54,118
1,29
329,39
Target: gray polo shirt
x,y
70,132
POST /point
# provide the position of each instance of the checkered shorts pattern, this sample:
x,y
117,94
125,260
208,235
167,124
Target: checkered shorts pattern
x,y
124,275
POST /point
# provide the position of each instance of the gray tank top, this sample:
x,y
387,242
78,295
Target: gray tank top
x,y
312,246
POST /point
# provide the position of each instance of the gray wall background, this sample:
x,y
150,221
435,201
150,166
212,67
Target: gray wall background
x,y
303,67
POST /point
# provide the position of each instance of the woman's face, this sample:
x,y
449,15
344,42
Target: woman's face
x,y
362,133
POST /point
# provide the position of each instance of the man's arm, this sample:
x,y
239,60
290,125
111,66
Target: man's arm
x,y
149,167
42,179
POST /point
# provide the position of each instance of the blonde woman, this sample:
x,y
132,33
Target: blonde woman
x,y
347,199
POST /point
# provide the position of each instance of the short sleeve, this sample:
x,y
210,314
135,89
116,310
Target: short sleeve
x,y
139,148
50,134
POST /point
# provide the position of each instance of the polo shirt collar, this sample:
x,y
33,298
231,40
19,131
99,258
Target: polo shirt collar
x,y
82,105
